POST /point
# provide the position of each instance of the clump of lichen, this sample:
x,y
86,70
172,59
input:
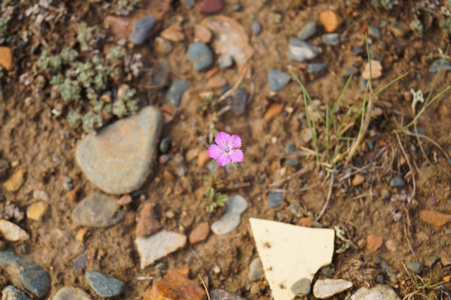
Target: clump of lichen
x,y
124,7
387,4
86,36
416,27
117,53
3,27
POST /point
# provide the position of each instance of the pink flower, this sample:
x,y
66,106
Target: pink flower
x,y
224,152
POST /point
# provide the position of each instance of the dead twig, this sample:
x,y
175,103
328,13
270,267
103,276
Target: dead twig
x,y
301,172
329,194
410,165
205,287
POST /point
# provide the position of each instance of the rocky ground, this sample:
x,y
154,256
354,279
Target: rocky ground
x,y
107,111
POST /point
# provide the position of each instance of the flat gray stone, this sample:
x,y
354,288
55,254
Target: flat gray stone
x,y
25,273
71,293
98,211
278,79
236,205
307,31
104,285
161,76
200,55
175,92
302,287
224,295
158,245
302,51
379,292
326,288
141,29
256,270
119,157
11,293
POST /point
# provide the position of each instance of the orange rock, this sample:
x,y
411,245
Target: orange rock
x,y
175,286
200,233
81,234
358,179
124,200
381,143
167,175
212,72
217,81
173,33
434,218
273,111
306,221
376,70
147,224
373,242
330,19
202,34
37,210
6,58
202,158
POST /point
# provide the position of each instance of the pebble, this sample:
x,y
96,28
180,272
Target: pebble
x,y
225,61
4,168
415,267
327,271
98,211
15,182
189,3
158,246
124,200
104,285
11,293
273,111
301,51
331,38
6,58
307,31
147,223
230,220
215,82
397,182
202,158
379,292
237,100
202,34
325,288
256,28
374,31
210,7
350,71
176,285
256,270
430,261
41,195
141,29
25,273
376,70
440,63
165,145
373,242
290,147
37,210
302,287
277,79
175,92
162,46
161,73
224,295
79,263
316,67
385,194
330,20
199,234
71,293
399,30
275,199
445,260
173,33
292,162
119,158
200,55
161,266
357,180
435,218
12,232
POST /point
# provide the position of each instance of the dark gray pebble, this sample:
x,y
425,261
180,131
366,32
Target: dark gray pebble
x,y
104,285
316,68
275,199
165,145
397,182
374,31
189,3
307,31
256,28
11,293
141,29
440,63
175,92
237,101
415,267
161,73
292,162
302,287
331,38
277,79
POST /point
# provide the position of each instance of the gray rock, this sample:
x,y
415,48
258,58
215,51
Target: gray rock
x,y
374,31
431,261
256,270
224,295
236,205
440,63
79,263
98,211
277,79
256,28
162,45
4,167
118,159
165,145
290,147
397,182
161,73
301,287
71,293
301,51
200,55
379,292
275,199
24,272
292,162
415,267
225,61
189,3
158,245
11,293
175,92
316,68
331,38
237,101
307,31
104,285
350,71
325,288
141,29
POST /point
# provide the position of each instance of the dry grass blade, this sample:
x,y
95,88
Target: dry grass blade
x,y
329,194
205,286
301,172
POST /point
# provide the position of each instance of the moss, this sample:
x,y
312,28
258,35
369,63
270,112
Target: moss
x,y
69,90
445,25
3,27
387,4
124,7
119,109
57,80
74,119
117,53
91,121
68,55
1,72
416,27
132,107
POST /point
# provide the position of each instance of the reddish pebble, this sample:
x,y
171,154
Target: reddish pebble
x,y
373,242
173,33
124,200
434,218
209,7
200,233
147,224
431,200
306,221
202,34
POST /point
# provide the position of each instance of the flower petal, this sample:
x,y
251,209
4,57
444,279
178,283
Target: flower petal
x,y
223,140
235,141
236,155
215,151
224,159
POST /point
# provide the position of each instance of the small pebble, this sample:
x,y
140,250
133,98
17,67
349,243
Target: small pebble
x,y
199,234
162,46
37,210
292,162
202,34
440,63
71,293
256,270
200,55
275,199
327,271
12,232
385,194
141,29
189,3
161,266
301,51
326,288
104,285
277,79
224,295
331,38
415,267
161,73
165,145
307,31
357,180
11,293
316,68
225,61
400,30
4,167
380,278
175,92
374,31
330,20
15,182
397,182
431,261
378,292
230,220
6,58
210,7
256,28
173,33
41,195
302,287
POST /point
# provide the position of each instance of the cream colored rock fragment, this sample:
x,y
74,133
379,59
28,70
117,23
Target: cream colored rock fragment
x,y
376,70
290,252
11,232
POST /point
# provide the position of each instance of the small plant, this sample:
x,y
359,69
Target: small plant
x,y
387,4
3,27
124,7
417,27
226,151
215,199
421,288
117,53
85,35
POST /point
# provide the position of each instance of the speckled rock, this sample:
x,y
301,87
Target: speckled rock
x,y
104,285
141,29
379,292
175,92
200,55
71,293
118,159
301,51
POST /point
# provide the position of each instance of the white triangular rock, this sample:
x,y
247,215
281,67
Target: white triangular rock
x,y
290,253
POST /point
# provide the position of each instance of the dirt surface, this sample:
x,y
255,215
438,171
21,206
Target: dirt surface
x,y
33,138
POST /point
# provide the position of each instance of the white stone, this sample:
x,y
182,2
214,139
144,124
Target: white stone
x,y
290,252
325,288
379,292
11,232
71,293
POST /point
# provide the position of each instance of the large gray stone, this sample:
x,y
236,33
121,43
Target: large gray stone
x,y
25,273
104,285
379,292
71,293
97,210
11,293
119,157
